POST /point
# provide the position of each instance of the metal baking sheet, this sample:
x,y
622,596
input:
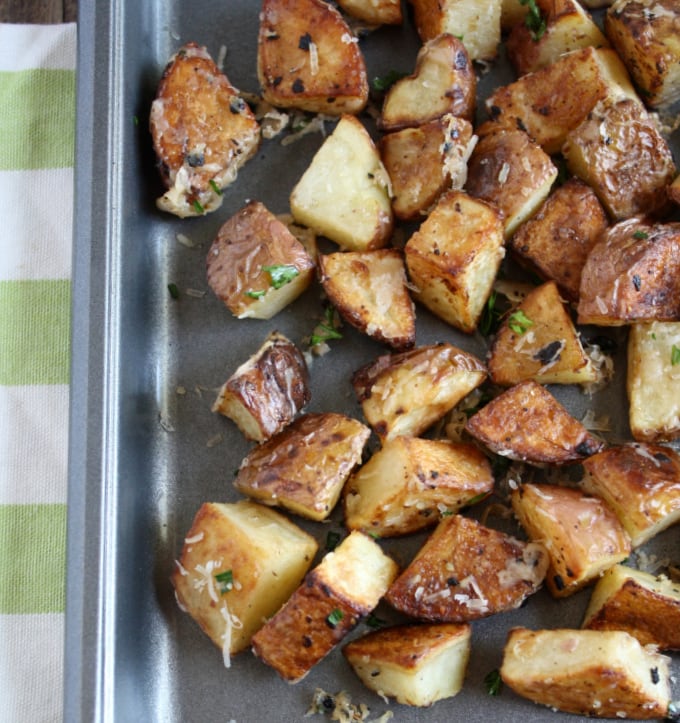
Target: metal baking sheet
x,y
143,456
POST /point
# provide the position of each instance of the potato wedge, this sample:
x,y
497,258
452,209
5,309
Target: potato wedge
x,y
368,289
202,131
556,241
424,162
632,275
646,38
345,192
443,81
342,589
538,341
619,151
646,606
581,533
410,483
526,423
414,664
641,483
604,674
267,391
256,265
509,170
466,571
308,58
405,393
653,381
304,467
240,562
374,12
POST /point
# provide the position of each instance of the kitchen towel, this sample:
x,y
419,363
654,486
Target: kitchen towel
x,y
37,113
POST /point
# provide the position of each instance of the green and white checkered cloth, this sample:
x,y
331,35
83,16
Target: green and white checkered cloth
x,y
37,112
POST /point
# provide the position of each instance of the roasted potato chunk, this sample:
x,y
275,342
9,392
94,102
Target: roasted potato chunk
x,y
374,12
307,58
444,81
410,483
342,589
202,131
605,674
453,258
526,423
641,483
653,382
619,151
550,102
240,562
538,341
466,571
304,467
565,26
581,533
345,192
643,605
414,664
674,190
256,265
632,275
509,170
478,22
646,38
267,391
424,162
368,289
405,393
556,241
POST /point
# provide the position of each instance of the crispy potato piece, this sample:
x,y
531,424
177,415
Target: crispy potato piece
x,y
646,38
466,571
526,423
552,101
674,190
368,288
454,256
267,391
256,265
414,664
345,192
556,241
424,162
374,12
202,131
304,467
509,170
443,81
342,589
605,674
240,562
619,151
643,605
581,533
538,341
307,58
478,22
632,275
568,27
410,483
641,483
405,393
652,382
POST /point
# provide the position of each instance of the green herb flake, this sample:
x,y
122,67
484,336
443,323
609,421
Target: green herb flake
x,y
326,329
215,187
281,274
477,498
534,20
493,682
174,291
255,294
198,206
225,581
335,617
135,120
519,322
373,621
675,355
383,83
640,235
491,316
332,540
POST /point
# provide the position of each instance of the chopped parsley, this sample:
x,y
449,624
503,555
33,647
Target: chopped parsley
x,y
332,540
225,581
534,20
215,187
198,206
519,322
383,83
493,682
477,498
174,291
325,329
491,316
373,621
281,274
255,294
675,355
335,617
640,235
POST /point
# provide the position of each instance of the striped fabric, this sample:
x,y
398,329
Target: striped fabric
x,y
37,107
